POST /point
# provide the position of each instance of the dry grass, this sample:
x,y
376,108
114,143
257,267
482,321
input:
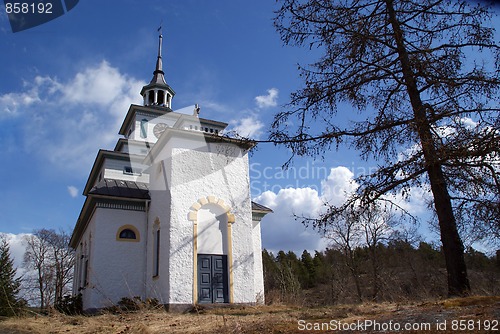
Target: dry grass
x,y
259,319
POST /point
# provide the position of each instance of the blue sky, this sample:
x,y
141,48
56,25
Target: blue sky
x,y
65,87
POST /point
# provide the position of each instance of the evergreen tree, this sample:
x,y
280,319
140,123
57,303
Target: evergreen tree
x,y
309,278
9,284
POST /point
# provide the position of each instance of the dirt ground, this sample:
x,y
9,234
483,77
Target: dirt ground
x,y
462,315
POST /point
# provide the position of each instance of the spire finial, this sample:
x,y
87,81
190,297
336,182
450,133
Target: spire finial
x,y
160,28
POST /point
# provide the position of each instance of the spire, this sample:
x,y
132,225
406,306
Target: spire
x,y
158,93
158,74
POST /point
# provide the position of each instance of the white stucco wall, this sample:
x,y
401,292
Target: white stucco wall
x,y
258,267
159,213
220,170
116,268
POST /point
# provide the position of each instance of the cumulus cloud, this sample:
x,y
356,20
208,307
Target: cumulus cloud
x,y
67,120
269,100
73,191
338,185
249,127
281,231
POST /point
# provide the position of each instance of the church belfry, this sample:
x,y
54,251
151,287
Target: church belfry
x,y
158,92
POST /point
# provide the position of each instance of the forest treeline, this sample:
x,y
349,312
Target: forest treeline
x,y
396,271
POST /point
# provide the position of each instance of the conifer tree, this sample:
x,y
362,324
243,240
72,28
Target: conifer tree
x,y
9,284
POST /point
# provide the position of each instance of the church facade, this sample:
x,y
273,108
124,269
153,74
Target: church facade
x,y
168,213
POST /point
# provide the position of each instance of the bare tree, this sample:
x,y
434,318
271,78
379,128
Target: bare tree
x,y
424,77
346,235
49,256
378,225
63,258
36,259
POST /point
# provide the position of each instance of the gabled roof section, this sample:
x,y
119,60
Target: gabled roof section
x,y
121,188
102,155
256,207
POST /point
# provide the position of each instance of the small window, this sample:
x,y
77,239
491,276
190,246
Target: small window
x,y
156,253
206,129
216,131
85,279
132,171
127,233
128,170
211,130
144,128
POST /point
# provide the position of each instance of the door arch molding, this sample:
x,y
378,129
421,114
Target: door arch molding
x,y
193,217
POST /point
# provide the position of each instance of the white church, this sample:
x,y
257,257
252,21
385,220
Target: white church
x,y
168,213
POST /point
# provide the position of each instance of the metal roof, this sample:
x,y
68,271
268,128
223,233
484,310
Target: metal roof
x,y
121,188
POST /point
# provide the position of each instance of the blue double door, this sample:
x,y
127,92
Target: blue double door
x,y
212,279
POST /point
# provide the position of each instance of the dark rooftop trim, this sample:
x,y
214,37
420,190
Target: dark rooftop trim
x,y
121,188
122,141
256,207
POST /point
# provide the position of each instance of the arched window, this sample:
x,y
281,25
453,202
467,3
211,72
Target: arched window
x,y
127,233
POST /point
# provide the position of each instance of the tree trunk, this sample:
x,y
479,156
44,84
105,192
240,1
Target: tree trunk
x,y
458,282
353,267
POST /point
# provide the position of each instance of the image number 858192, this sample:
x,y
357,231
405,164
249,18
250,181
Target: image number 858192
x,y
28,8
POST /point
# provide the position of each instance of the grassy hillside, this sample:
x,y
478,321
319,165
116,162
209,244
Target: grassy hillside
x,y
472,312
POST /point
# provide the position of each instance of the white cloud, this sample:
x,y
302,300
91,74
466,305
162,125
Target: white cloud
x,y
248,127
67,121
73,191
280,231
338,185
10,103
269,100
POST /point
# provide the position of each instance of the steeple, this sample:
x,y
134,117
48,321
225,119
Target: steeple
x,y
158,74
158,92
